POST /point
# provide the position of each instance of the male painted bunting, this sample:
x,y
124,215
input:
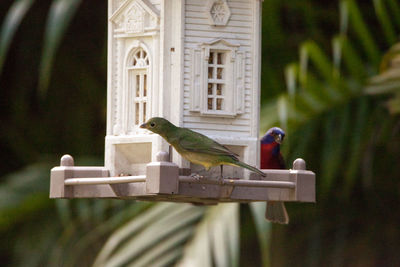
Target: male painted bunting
x,y
271,158
196,147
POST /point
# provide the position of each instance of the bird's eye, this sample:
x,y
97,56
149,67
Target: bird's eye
x,y
152,124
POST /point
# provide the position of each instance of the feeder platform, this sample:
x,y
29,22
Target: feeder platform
x,y
162,182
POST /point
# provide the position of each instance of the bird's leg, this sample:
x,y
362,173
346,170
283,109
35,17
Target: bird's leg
x,y
196,176
221,177
199,174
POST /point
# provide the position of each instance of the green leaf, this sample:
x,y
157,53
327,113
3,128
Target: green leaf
x,y
60,15
336,127
320,60
268,116
360,27
388,81
291,71
216,237
283,110
263,228
351,58
394,7
22,193
325,68
155,232
104,227
394,104
358,134
344,17
384,19
10,25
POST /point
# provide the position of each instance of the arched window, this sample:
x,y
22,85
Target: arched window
x,y
138,89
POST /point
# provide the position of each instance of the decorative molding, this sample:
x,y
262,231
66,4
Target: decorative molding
x,y
118,128
219,44
117,4
136,17
218,12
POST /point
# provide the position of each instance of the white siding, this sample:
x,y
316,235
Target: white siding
x,y
239,30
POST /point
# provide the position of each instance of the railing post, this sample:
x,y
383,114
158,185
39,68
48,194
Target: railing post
x,y
299,164
305,182
57,186
162,177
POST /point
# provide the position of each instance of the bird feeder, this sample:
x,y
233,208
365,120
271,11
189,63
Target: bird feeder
x,y
197,64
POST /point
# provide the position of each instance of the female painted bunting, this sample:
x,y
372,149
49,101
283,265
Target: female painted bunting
x,y
196,147
271,158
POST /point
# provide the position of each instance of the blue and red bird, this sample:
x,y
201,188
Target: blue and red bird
x,y
271,158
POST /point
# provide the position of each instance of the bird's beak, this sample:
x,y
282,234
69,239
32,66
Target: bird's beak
x,y
143,126
278,139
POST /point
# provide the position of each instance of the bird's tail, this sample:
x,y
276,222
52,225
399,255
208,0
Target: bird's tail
x,y
251,168
276,212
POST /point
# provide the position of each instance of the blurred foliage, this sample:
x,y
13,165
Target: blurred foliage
x,y
348,138
388,80
338,103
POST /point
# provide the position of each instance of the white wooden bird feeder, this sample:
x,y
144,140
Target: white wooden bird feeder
x,y
197,64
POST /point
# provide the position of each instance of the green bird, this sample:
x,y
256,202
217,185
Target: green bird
x,y
196,147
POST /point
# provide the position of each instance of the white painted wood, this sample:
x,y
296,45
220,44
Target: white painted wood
x,y
218,12
177,37
105,180
162,182
237,182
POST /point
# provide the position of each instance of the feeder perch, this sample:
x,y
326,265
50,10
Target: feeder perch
x,y
197,64
162,182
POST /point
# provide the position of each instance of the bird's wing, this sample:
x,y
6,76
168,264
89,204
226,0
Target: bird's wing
x,y
197,142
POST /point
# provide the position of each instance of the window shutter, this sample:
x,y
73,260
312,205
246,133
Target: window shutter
x,y
195,94
239,82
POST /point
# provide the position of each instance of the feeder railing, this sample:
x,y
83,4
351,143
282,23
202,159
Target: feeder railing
x,y
105,180
237,182
162,182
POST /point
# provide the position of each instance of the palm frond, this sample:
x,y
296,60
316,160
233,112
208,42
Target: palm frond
x,y
150,236
216,239
359,26
384,19
332,89
10,25
388,80
23,193
60,14
263,228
